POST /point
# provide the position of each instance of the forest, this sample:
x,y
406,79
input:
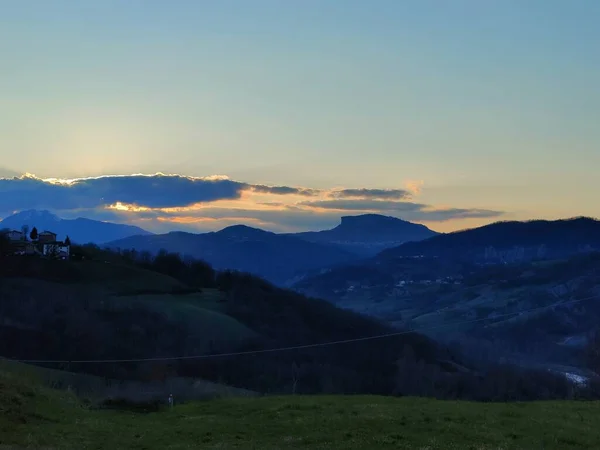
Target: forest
x,y
90,308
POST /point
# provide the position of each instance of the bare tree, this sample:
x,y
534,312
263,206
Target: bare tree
x,y
25,231
295,376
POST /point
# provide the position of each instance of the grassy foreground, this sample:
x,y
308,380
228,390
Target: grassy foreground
x,y
32,416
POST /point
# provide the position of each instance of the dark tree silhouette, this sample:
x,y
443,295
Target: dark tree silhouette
x,y
592,352
4,244
68,241
34,234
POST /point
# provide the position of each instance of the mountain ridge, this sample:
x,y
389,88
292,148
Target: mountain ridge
x,y
80,230
525,239
277,258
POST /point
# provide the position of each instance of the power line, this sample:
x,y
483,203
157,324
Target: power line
x,y
299,347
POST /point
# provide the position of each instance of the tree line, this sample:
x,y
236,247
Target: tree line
x,y
67,321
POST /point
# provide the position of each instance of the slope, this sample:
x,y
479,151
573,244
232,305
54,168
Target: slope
x,y
532,312
509,241
231,329
32,416
82,310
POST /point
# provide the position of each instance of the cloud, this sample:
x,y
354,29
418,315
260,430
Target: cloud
x,y
150,191
414,186
283,190
206,219
364,205
155,191
372,193
409,210
162,202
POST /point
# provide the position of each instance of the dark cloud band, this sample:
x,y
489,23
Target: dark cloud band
x,y
414,211
372,193
283,190
157,192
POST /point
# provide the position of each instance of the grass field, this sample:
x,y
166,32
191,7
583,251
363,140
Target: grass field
x,y
208,299
121,278
32,416
97,389
202,311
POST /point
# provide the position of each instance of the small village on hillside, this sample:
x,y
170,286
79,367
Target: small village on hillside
x,y
44,244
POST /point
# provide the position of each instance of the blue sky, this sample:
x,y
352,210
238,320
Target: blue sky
x,y
468,104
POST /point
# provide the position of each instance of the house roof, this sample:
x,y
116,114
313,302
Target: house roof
x,y
47,232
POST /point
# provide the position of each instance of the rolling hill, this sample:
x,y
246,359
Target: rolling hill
x,y
101,310
504,242
511,278
277,258
530,312
368,234
80,230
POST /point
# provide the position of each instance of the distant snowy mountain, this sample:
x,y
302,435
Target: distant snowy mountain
x,y
81,231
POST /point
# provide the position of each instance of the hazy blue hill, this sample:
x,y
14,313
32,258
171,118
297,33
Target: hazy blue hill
x,y
509,241
272,256
80,230
369,234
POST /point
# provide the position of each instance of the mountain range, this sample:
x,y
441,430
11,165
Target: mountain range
x,y
279,258
515,280
505,242
284,258
369,244
80,230
453,254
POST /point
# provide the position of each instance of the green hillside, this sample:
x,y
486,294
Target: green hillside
x,y
32,416
110,276
164,323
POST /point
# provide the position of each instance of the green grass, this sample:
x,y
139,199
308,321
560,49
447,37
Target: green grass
x,y
202,310
97,389
210,299
32,416
123,278
114,277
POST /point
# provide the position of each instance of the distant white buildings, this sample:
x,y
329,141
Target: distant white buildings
x,y
46,245
58,250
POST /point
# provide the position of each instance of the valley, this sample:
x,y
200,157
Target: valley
x,y
457,315
539,313
299,225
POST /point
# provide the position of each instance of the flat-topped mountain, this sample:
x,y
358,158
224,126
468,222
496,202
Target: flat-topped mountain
x,y
368,234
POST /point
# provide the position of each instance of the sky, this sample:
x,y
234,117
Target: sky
x,y
289,114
